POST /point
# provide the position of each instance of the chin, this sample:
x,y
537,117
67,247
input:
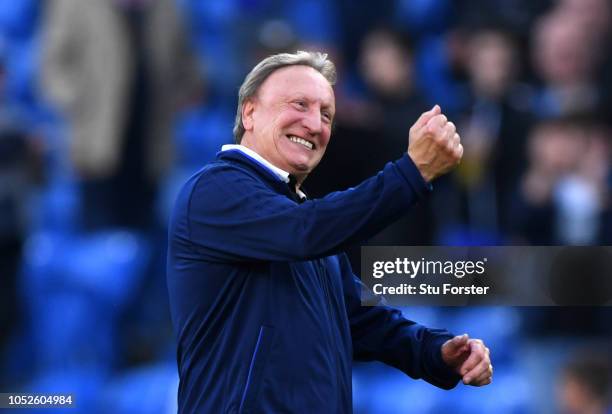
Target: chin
x,y
299,170
299,166
301,163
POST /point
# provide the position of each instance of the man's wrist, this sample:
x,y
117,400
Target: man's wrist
x,y
427,177
413,175
443,370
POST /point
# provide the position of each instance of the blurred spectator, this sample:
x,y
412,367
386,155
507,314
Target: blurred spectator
x,y
386,66
593,16
118,70
564,195
493,132
565,58
595,19
586,384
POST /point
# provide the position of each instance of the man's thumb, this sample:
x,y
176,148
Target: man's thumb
x,y
426,116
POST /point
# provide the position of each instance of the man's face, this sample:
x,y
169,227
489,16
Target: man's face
x,y
289,121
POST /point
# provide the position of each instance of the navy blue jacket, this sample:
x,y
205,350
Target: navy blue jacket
x,y
265,306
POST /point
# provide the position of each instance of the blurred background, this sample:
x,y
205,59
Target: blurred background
x,y
107,106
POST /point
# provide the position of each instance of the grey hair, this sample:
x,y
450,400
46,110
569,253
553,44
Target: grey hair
x,y
266,67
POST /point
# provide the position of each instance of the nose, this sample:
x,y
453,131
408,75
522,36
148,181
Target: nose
x,y
312,121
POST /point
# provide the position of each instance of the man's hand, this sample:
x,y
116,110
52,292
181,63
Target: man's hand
x,y
470,359
434,145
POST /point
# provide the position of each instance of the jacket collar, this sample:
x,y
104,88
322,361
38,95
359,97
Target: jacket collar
x,y
280,173
257,162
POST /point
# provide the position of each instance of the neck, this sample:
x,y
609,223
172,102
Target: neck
x,y
299,179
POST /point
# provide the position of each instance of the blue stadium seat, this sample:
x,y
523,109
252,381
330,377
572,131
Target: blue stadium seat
x,y
83,384
18,18
499,327
56,208
75,288
424,16
146,390
201,133
509,393
314,21
379,389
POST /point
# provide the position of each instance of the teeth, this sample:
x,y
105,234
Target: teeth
x,y
302,141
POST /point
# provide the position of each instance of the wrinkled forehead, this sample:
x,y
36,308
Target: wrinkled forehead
x,y
297,80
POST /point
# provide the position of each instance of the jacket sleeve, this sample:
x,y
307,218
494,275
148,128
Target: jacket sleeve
x,y
381,333
232,215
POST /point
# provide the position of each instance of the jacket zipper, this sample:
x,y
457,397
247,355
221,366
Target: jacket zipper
x,y
248,381
325,284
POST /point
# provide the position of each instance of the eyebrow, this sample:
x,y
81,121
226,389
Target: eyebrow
x,y
300,95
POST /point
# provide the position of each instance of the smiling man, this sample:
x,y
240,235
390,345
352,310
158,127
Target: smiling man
x,y
265,305
289,121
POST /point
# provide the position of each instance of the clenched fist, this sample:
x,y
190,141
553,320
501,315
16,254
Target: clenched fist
x,y
469,358
434,144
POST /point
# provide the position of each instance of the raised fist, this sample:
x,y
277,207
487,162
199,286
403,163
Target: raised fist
x,y
434,144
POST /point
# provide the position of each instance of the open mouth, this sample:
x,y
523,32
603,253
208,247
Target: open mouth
x,y
301,141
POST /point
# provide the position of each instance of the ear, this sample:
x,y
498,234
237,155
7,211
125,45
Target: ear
x,y
247,114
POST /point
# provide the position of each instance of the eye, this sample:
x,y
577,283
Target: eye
x,y
327,117
300,104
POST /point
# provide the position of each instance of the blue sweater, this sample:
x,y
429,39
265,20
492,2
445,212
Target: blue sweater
x,y
265,306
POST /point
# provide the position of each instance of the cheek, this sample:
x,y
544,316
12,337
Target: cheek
x,y
288,117
325,139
